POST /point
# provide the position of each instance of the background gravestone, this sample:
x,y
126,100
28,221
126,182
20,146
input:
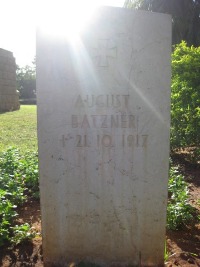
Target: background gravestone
x,y
9,99
103,129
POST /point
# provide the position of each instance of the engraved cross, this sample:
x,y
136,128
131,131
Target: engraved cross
x,y
105,49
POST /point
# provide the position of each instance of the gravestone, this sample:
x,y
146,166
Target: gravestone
x,y
9,98
103,132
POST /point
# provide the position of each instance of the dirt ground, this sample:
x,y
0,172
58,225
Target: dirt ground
x,y
183,246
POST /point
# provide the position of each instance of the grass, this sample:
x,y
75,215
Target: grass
x,y
18,128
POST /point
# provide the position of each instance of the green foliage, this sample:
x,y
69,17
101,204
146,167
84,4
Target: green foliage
x,y
133,4
22,233
19,173
7,213
185,114
166,253
18,178
179,211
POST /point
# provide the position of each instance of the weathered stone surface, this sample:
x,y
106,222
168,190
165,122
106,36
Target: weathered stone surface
x,y
103,129
9,99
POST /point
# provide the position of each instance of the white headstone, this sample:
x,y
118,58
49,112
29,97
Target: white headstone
x,y
103,131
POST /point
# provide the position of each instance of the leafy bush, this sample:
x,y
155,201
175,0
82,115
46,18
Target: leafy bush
x,y
179,211
7,213
185,113
22,233
18,177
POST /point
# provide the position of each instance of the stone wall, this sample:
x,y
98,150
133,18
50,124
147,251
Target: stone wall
x,y
9,99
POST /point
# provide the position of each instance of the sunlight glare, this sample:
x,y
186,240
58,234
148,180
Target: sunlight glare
x,y
65,18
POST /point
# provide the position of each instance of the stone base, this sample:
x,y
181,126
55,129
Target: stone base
x,y
11,103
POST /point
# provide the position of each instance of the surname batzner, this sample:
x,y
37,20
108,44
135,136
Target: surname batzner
x,y
103,121
122,120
